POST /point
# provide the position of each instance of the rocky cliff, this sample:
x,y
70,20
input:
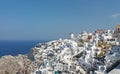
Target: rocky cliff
x,y
15,65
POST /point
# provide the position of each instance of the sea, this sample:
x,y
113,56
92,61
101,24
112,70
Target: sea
x,y
15,47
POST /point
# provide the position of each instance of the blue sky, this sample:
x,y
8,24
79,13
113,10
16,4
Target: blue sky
x,y
51,19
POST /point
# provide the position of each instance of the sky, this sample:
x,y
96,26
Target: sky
x,y
53,19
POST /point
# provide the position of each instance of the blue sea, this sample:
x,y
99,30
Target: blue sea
x,y
15,47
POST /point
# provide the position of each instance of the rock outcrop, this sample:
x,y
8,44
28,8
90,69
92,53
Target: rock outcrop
x,y
15,65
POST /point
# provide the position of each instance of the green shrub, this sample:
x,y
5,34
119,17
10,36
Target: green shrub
x,y
79,55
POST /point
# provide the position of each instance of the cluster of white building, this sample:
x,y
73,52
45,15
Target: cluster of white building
x,y
85,53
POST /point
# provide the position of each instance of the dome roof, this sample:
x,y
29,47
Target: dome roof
x,y
84,33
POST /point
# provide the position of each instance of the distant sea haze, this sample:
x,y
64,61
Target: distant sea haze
x,y
15,47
